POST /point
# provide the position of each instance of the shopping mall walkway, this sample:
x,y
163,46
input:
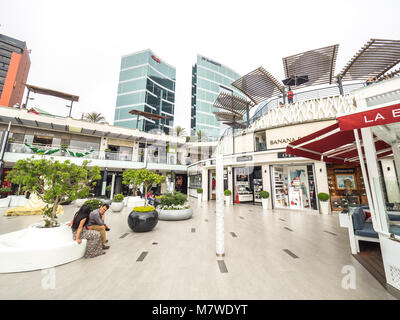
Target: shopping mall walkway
x,y
269,255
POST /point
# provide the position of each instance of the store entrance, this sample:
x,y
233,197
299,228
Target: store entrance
x,y
293,187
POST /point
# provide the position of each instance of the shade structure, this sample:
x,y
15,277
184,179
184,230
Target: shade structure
x,y
374,59
235,124
334,146
53,93
259,85
318,64
232,103
227,116
147,114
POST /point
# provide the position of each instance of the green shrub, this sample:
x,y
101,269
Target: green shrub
x,y
94,203
5,190
118,198
199,190
264,194
173,199
108,188
323,196
227,193
143,209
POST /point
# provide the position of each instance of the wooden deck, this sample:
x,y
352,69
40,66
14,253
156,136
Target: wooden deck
x,y
370,257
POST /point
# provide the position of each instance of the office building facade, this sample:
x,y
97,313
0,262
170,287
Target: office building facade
x,y
14,69
208,79
146,83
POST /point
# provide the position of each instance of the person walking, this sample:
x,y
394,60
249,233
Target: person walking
x,y
97,222
78,225
290,95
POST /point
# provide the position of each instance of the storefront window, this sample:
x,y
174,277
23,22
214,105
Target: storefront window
x,y
294,187
242,184
195,181
260,142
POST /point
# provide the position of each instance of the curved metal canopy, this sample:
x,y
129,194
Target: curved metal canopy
x,y
317,64
258,85
232,103
228,116
374,59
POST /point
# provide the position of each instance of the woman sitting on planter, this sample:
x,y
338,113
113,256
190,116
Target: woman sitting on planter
x,y
94,246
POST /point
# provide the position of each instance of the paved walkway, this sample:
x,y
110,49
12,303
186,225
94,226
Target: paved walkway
x,y
277,254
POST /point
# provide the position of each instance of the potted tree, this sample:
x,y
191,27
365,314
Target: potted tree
x,y
264,195
227,194
323,202
199,194
144,218
53,181
174,206
94,203
118,203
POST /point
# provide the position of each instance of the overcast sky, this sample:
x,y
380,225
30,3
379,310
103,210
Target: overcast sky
x,y
77,44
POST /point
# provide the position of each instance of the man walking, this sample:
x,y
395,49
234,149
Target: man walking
x,y
96,222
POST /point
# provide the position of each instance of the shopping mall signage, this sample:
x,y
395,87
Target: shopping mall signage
x,y
279,138
370,118
244,158
284,155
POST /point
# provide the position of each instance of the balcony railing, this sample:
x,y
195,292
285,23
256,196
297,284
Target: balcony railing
x,y
15,147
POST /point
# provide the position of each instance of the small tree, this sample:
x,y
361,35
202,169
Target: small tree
x,y
54,181
147,178
128,178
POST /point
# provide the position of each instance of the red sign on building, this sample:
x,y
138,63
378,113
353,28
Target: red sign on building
x,y
155,58
370,118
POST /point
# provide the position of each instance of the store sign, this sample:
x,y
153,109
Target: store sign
x,y
283,155
279,138
244,158
344,170
369,118
155,58
210,61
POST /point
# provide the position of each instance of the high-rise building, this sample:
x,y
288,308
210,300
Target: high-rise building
x,y
14,69
146,83
209,78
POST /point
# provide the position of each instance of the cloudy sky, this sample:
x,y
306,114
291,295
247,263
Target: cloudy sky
x,y
77,44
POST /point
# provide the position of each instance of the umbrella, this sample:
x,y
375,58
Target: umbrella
x,y
295,80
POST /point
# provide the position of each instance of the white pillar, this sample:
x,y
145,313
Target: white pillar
x,y
373,171
112,186
204,184
321,180
220,246
266,181
396,155
391,183
230,181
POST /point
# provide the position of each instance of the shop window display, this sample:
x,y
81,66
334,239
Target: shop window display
x,y
242,184
294,187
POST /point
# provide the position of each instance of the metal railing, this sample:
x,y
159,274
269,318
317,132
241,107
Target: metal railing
x,y
329,91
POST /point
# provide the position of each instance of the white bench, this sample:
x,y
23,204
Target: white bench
x,y
37,248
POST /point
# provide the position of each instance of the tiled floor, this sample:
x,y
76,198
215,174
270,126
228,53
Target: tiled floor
x,y
273,255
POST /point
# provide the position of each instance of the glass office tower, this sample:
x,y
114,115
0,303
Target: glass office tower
x,y
207,78
146,83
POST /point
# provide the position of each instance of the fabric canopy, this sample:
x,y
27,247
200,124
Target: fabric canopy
x,y
334,146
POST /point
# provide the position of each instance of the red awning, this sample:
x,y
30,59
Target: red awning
x,y
334,146
370,117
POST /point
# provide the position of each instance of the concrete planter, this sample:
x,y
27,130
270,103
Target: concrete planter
x,y
264,202
324,207
4,203
36,248
199,197
117,206
227,201
80,202
173,215
16,201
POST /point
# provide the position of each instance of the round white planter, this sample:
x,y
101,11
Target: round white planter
x,y
4,203
227,201
80,202
175,214
117,206
16,201
37,248
264,202
324,207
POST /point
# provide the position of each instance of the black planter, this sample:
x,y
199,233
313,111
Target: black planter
x,y
142,221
